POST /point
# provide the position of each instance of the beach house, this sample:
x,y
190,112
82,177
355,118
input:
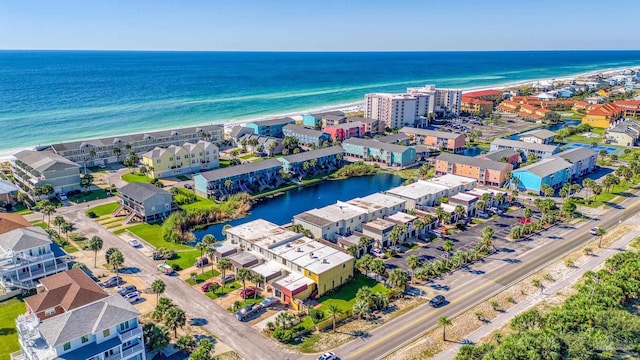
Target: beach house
x,y
340,132
249,178
305,136
487,172
538,136
525,148
603,116
438,140
371,150
314,162
177,160
34,169
271,127
141,202
553,172
372,127
258,144
115,149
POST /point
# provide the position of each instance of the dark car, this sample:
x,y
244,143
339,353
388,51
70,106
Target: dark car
x,y
187,186
127,289
228,278
157,256
114,281
437,301
202,262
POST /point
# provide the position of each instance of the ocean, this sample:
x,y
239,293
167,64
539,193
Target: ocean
x,y
53,96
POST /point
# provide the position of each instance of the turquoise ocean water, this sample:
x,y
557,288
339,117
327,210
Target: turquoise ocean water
x,y
52,96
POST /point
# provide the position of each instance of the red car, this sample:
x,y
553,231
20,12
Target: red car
x,y
209,286
525,221
248,292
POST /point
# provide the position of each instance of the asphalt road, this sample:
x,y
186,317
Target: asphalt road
x,y
402,330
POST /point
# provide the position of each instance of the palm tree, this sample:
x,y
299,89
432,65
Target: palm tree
x,y
444,322
363,263
459,211
413,262
361,309
23,198
117,151
175,319
66,228
95,245
537,283
398,279
223,265
257,280
528,213
378,267
211,254
243,275
58,221
353,251
363,243
225,228
600,232
334,311
48,210
116,260
201,247
480,205
158,287
447,246
208,239
419,225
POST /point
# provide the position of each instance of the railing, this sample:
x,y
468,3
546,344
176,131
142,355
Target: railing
x,y
131,333
132,350
18,355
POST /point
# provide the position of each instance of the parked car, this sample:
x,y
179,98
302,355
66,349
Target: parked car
x,y
248,292
412,291
100,166
437,301
73,192
187,186
377,253
228,278
517,204
157,256
496,210
134,242
62,196
482,215
525,221
269,301
127,289
328,356
132,296
594,230
395,248
248,311
210,286
202,262
111,282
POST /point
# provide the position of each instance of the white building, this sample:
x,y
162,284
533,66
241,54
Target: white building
x,y
420,194
441,100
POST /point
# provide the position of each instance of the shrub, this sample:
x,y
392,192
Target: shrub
x,y
283,335
92,214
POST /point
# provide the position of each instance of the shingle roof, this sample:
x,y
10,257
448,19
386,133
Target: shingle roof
x,y
89,319
496,155
515,144
480,93
393,138
303,130
313,154
286,120
335,113
141,192
472,161
7,187
44,160
539,133
24,238
545,167
239,169
9,222
377,145
425,132
577,154
70,289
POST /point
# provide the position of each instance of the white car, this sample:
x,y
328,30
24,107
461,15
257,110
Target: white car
x,y
134,242
132,296
377,253
328,356
594,230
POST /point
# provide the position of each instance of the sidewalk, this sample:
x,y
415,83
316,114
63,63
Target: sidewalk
x,y
548,292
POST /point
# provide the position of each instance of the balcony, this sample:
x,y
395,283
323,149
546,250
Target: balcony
x,y
132,350
135,332
18,355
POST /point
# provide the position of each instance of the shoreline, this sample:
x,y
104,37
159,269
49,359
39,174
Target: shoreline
x,y
7,154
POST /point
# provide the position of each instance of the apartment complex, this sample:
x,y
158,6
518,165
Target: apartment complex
x,y
315,120
582,160
625,133
144,203
630,108
439,140
27,254
538,136
603,116
32,169
304,135
442,101
249,178
475,106
185,159
487,172
424,194
314,162
104,329
494,96
293,266
115,149
553,172
372,150
346,130
504,155
540,150
270,127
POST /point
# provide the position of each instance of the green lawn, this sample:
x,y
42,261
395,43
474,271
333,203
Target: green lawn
x,y
249,301
203,277
10,310
70,249
229,287
604,197
96,169
152,233
185,258
345,297
90,196
135,177
202,203
247,156
40,224
182,178
105,209
120,231
224,163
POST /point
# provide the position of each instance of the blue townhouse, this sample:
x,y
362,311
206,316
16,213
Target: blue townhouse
x,y
377,151
553,172
305,136
314,162
250,178
315,120
270,127
542,151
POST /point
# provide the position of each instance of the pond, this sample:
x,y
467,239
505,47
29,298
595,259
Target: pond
x,y
280,210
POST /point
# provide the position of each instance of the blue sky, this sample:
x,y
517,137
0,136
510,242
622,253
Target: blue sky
x,y
306,25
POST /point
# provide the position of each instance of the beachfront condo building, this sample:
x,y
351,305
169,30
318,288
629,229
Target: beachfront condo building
x,y
271,127
380,152
306,136
184,159
603,116
104,329
141,202
34,169
442,101
494,96
487,172
115,149
524,148
294,267
437,140
313,163
27,254
475,106
630,108
249,178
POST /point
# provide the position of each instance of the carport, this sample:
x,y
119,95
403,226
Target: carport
x,y
222,250
269,270
242,259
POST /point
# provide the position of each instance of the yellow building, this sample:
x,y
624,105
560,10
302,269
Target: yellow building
x,y
293,266
603,116
178,160
476,106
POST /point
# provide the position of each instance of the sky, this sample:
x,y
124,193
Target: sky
x,y
324,25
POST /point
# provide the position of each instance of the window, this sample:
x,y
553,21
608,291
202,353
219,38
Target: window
x,y
106,333
66,346
124,326
84,338
158,161
49,312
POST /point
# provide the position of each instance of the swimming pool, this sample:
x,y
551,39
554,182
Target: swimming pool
x,y
597,148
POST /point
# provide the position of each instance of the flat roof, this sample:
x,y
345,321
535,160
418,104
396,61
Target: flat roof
x,y
293,281
376,201
538,133
263,233
448,207
417,189
328,262
402,217
434,133
451,181
379,224
296,248
546,167
464,197
268,270
337,212
224,247
243,257
516,144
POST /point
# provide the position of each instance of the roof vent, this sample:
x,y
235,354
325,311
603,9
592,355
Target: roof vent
x,y
325,261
